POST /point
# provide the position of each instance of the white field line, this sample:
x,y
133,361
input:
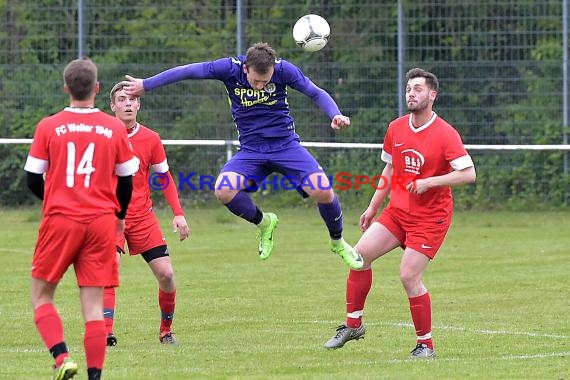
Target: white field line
x,y
17,250
39,349
489,332
536,356
456,328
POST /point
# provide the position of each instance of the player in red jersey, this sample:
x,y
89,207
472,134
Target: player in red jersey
x,y
88,165
142,233
424,157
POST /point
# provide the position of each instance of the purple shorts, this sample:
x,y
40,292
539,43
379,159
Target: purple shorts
x,y
292,160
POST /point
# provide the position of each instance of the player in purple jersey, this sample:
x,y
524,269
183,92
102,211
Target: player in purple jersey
x,y
257,88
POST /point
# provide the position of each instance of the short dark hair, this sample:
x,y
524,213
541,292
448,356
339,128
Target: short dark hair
x,y
431,79
261,57
118,87
80,77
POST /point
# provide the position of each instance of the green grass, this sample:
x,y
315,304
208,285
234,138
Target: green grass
x,y
499,288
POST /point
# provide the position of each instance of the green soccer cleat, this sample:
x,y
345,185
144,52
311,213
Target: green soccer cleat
x,y
265,234
348,254
345,334
66,370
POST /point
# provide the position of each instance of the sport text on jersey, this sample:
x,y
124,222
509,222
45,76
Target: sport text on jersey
x,y
83,128
250,97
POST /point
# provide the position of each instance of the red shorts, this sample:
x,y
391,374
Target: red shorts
x,y
424,236
88,246
141,234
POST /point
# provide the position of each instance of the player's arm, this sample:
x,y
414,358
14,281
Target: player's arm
x,y
460,176
200,70
460,161
37,162
179,223
35,183
297,80
170,192
127,164
327,104
124,193
382,190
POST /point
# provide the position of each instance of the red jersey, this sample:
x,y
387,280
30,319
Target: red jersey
x,y
148,147
81,151
433,149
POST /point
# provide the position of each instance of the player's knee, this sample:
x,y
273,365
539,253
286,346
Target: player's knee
x,y
410,280
224,195
323,195
166,277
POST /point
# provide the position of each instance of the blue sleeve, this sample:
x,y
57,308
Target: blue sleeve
x,y
201,70
295,79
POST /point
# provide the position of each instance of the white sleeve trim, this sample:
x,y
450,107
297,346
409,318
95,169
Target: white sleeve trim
x,y
127,168
161,167
386,157
35,165
462,162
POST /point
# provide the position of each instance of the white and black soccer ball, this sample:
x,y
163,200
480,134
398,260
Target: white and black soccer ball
x,y
311,32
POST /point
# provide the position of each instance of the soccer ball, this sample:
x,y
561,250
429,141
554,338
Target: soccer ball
x,y
311,32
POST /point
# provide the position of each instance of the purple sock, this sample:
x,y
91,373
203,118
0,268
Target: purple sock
x,y
242,206
332,215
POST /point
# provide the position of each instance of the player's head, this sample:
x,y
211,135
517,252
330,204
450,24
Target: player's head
x,y
421,89
259,65
80,79
124,106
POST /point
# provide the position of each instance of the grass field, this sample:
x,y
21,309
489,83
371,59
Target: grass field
x,y
499,288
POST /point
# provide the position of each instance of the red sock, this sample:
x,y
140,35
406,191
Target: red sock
x,y
167,303
358,285
49,325
420,308
109,308
95,343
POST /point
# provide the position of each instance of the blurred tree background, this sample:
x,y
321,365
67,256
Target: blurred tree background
x,y
499,63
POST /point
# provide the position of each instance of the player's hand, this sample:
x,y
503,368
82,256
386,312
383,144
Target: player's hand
x,y
340,121
134,86
419,186
120,226
179,225
366,219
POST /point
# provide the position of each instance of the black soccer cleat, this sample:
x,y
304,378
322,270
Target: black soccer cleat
x,y
111,340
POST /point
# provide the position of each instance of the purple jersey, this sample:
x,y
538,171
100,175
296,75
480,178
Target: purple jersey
x,y
261,117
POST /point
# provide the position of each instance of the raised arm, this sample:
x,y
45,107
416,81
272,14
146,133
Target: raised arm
x,y
324,101
138,86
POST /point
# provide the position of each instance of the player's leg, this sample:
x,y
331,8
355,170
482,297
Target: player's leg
x,y
50,326
95,337
145,238
159,261
411,269
239,176
318,187
55,248
109,307
96,267
422,243
304,172
376,241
